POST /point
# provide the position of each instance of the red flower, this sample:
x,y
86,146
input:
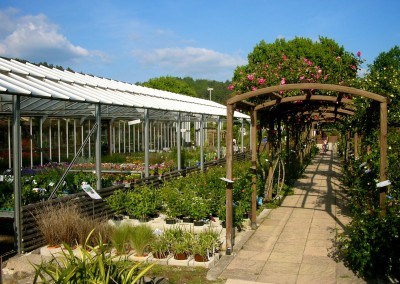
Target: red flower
x,y
359,53
230,87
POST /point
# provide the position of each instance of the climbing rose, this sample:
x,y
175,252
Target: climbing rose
x,y
230,87
261,81
250,77
283,81
359,53
253,88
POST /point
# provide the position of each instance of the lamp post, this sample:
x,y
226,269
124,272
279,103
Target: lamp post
x,y
210,89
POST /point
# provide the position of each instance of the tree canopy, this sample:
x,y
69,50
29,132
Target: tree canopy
x,y
170,84
300,60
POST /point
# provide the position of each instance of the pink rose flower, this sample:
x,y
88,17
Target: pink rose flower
x,y
283,81
230,87
359,53
250,77
253,88
261,81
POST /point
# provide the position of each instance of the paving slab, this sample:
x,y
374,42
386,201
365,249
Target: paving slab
x,y
292,243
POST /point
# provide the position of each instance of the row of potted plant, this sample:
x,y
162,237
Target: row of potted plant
x,y
176,241
198,196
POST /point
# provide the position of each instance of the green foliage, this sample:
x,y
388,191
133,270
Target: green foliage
x,y
160,245
142,201
117,201
170,84
141,238
370,244
120,236
95,264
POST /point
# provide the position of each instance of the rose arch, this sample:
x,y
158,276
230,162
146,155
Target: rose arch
x,y
327,98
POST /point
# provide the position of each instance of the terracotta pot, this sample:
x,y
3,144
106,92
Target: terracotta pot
x,y
181,256
200,258
160,255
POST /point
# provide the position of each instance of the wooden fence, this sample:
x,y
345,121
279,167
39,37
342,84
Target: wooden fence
x,y
31,236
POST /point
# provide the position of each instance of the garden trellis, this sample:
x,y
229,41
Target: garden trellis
x,y
306,98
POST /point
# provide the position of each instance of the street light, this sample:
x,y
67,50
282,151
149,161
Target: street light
x,y
210,89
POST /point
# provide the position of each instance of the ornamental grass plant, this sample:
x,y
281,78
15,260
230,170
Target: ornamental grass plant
x,y
140,239
95,264
65,223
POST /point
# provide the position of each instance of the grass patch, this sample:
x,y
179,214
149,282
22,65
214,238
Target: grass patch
x,y
182,274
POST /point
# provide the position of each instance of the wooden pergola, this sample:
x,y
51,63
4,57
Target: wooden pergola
x,y
269,97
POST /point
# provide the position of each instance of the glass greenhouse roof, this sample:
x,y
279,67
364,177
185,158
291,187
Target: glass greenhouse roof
x,y
52,92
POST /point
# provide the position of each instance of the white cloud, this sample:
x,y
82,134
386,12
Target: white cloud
x,y
34,38
191,61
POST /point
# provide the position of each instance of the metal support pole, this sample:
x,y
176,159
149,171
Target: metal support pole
x,y
178,141
229,176
242,136
146,142
9,145
98,146
59,140
202,143
219,138
16,137
67,137
31,140
75,134
41,140
50,142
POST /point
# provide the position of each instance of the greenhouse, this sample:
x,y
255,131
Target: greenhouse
x,y
53,115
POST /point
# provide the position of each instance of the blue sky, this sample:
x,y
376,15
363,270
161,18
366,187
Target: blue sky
x,y
134,41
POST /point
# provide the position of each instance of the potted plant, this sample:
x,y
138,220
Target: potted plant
x,y
205,244
160,246
120,238
118,203
199,209
181,241
140,239
172,202
142,202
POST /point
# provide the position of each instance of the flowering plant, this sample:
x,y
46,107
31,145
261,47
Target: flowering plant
x,y
296,61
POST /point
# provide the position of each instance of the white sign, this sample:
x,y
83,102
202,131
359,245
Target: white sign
x,y
90,191
383,183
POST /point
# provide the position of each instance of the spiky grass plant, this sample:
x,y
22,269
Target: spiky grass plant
x,y
120,238
93,265
141,238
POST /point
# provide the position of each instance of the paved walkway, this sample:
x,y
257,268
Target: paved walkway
x,y
292,244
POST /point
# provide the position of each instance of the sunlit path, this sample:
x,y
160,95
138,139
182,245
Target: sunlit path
x,y
292,244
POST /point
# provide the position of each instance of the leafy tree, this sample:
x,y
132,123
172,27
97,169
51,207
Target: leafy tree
x,y
300,60
171,84
220,92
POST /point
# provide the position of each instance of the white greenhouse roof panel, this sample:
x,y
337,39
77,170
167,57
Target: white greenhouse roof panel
x,y
40,82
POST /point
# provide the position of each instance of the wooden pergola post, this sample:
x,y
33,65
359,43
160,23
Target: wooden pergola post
x,y
355,144
383,155
253,133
